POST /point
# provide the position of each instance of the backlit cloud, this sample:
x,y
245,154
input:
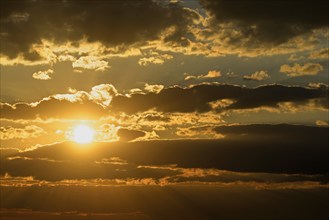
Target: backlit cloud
x,y
90,63
257,76
209,75
301,149
156,59
103,93
43,75
80,19
153,88
201,98
322,123
301,70
29,131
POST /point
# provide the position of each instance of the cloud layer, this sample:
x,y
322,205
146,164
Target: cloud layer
x,y
103,99
112,23
269,22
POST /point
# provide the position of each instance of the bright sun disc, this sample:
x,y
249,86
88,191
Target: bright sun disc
x,y
83,134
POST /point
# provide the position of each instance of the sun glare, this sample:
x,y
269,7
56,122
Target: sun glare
x,y
83,134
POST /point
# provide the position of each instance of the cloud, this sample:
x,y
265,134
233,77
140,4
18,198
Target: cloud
x,y
149,135
206,132
43,75
107,132
153,88
318,85
257,76
322,123
300,149
90,63
209,75
53,108
112,160
166,122
320,54
184,176
30,131
212,74
111,23
295,57
171,162
164,28
103,93
244,163
301,70
200,98
272,23
157,59
74,105
128,134
104,100
7,152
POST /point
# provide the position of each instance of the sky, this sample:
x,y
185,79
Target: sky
x,y
164,109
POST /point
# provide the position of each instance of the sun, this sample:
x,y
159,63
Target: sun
x,y
83,134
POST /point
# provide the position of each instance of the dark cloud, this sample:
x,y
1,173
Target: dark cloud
x,y
272,22
197,98
271,163
53,108
6,152
128,134
251,148
284,131
109,22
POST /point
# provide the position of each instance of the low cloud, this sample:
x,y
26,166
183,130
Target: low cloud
x,y
322,123
43,75
301,70
209,75
257,76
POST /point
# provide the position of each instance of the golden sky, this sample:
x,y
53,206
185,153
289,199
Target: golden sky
x,y
151,99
